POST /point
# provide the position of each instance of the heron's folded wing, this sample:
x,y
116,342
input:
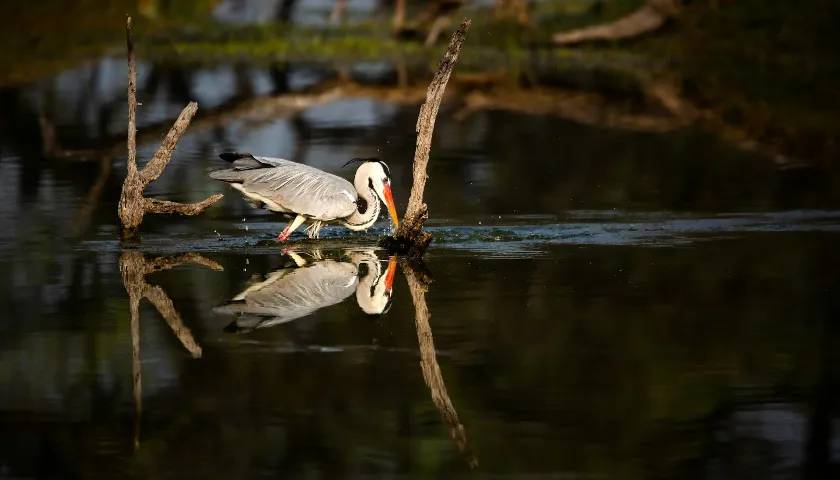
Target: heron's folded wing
x,y
304,190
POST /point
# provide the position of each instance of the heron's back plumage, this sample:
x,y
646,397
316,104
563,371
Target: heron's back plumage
x,y
287,186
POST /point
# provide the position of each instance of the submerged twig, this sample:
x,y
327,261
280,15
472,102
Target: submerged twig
x,y
410,238
133,205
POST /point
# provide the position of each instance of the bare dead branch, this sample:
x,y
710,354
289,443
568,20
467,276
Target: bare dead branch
x,y
133,205
648,18
155,167
132,101
410,237
153,205
586,108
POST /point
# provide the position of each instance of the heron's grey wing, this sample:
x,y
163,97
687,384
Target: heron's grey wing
x,y
302,189
297,293
248,161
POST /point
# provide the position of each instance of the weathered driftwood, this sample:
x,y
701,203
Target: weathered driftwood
x,y
410,239
651,16
134,267
133,205
418,283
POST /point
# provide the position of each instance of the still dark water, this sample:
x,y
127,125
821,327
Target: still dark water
x,y
604,303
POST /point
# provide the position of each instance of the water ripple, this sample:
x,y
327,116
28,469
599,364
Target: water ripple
x,y
512,236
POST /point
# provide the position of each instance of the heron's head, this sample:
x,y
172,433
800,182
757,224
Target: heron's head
x,y
375,174
375,290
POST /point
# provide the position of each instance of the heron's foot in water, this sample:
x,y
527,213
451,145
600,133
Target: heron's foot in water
x,y
291,227
314,229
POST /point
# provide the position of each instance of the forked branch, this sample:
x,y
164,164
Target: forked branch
x,y
133,205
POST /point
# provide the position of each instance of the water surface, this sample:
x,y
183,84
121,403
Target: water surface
x,y
603,302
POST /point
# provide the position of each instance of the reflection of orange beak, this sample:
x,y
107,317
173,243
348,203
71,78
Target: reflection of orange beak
x,y
390,274
389,201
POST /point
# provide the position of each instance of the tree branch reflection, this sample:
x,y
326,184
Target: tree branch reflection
x,y
418,280
134,266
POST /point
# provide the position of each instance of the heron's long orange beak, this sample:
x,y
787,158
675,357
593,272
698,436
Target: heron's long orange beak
x,y
391,272
389,201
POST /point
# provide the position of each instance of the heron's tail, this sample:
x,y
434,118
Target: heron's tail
x,y
230,175
243,161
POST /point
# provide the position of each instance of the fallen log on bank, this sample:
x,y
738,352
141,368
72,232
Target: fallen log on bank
x,y
133,205
651,16
410,239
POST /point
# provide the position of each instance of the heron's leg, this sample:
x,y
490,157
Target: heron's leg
x,y
299,261
318,230
314,228
291,227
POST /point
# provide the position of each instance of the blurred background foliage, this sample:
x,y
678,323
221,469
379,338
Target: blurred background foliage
x,y
768,68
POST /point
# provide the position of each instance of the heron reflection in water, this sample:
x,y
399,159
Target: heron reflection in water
x,y
306,286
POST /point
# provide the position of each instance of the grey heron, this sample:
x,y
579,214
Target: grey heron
x,y
291,293
309,194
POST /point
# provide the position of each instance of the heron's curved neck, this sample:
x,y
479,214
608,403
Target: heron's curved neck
x,y
367,209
